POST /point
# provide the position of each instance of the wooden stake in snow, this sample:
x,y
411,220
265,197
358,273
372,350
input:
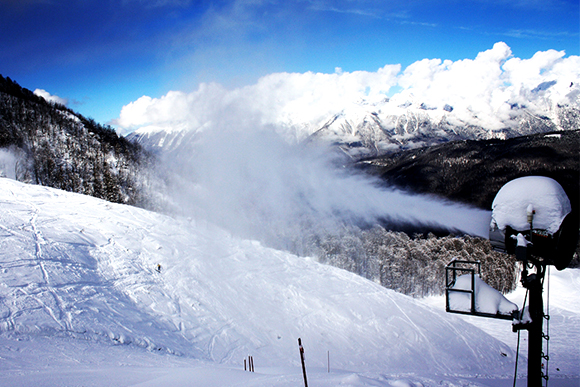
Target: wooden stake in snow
x,y
250,364
302,361
250,367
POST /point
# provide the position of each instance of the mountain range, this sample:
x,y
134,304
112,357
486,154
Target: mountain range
x,y
371,128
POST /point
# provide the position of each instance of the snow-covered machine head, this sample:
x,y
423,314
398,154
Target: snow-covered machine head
x,y
534,211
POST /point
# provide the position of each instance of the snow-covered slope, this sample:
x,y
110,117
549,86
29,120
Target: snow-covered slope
x,y
79,285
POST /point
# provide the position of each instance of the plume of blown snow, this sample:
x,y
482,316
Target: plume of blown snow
x,y
254,183
247,168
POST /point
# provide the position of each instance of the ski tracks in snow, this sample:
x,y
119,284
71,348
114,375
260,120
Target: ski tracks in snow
x,y
57,311
39,288
216,297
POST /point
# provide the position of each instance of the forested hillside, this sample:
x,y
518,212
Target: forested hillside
x,y
413,264
472,171
46,143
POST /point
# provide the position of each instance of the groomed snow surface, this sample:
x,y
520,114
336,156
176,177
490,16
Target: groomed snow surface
x,y
83,304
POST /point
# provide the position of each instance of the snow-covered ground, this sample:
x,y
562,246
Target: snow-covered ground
x,y
82,303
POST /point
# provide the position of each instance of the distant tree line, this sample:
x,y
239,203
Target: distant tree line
x,y
412,265
57,147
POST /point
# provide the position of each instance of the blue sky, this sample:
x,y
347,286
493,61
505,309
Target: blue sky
x,y
102,54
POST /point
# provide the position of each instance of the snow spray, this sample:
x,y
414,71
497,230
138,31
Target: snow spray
x,y
258,186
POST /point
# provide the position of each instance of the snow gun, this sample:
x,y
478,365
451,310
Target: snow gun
x,y
532,217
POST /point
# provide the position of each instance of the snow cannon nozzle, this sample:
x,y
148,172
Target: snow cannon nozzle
x,y
530,212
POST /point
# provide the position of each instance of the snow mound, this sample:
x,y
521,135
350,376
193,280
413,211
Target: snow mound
x,y
487,299
79,268
541,194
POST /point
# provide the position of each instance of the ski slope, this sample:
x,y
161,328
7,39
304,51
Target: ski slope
x,y
82,303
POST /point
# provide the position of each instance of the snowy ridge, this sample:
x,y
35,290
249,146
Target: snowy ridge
x,y
362,129
379,129
78,267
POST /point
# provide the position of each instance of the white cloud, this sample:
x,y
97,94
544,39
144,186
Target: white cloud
x,y
549,68
481,91
472,87
176,110
280,98
50,98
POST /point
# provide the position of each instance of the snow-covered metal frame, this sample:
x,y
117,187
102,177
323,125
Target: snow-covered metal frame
x,y
472,268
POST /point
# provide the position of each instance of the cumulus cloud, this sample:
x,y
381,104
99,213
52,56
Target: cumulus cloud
x,y
475,88
49,97
482,92
176,110
285,99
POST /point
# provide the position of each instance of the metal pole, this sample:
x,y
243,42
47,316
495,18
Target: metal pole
x,y
534,284
302,361
472,291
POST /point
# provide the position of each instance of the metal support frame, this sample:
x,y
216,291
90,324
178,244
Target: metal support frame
x,y
451,276
472,268
531,281
534,282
